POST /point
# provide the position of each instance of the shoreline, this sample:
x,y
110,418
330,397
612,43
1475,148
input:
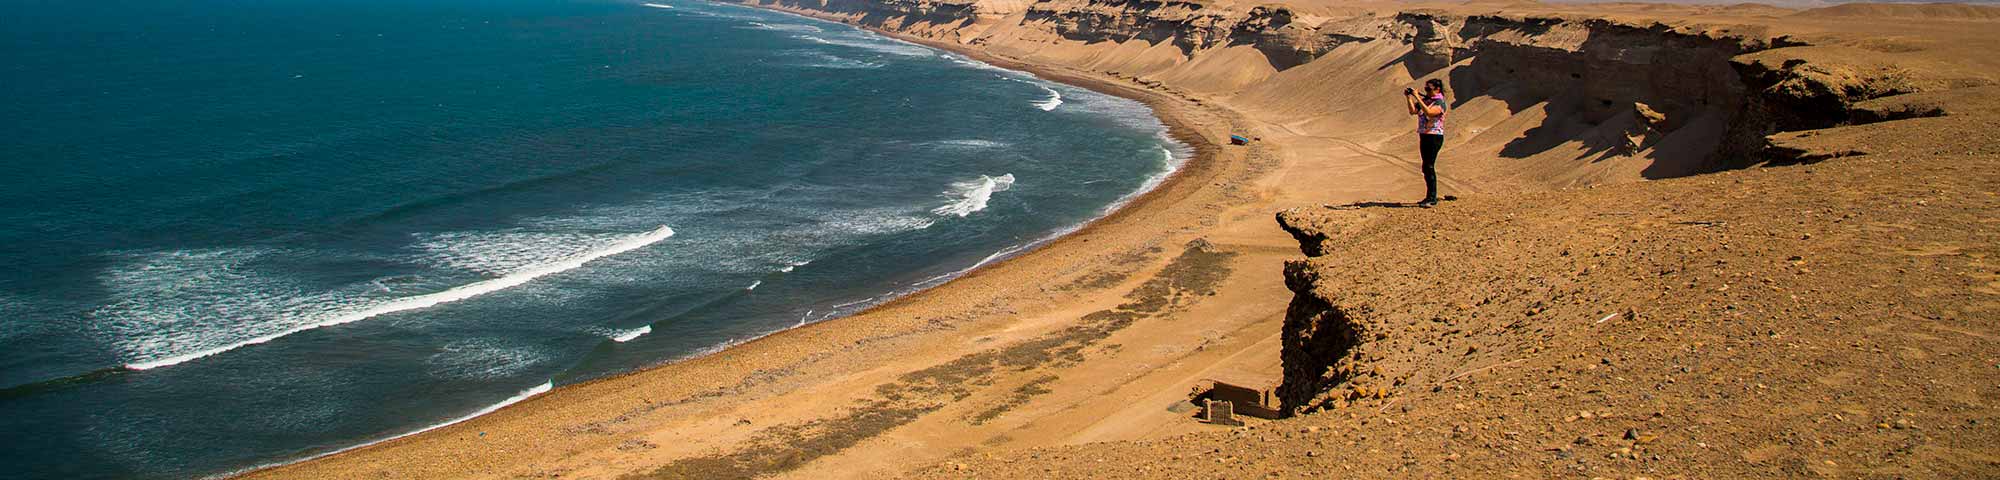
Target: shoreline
x,y
1057,363
1201,153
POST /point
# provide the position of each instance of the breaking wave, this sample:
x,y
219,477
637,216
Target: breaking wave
x,y
881,46
972,196
789,266
622,336
970,144
1049,104
784,27
194,333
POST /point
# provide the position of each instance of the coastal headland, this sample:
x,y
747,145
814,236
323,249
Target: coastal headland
x,y
1688,242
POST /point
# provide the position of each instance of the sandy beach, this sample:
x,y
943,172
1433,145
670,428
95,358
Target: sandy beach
x,y
822,372
1099,336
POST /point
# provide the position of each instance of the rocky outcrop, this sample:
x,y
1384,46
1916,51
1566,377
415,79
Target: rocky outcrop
x,y
1183,24
1795,92
1319,343
1323,355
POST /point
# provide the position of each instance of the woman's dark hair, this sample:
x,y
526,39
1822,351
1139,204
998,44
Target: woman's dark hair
x,y
1435,83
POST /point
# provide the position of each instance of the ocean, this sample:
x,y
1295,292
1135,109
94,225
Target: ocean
x,y
241,233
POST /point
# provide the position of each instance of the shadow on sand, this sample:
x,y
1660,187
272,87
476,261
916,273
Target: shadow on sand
x,y
1361,205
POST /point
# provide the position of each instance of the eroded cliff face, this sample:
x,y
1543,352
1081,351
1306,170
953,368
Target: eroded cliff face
x,y
1320,344
1542,100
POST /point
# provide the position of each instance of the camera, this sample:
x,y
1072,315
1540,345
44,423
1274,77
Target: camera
x,y
1409,91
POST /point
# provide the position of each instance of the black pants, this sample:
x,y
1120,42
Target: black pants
x,y
1429,144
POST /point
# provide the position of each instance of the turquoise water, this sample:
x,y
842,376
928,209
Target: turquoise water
x,y
247,232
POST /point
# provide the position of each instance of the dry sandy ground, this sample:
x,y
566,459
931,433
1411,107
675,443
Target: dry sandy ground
x,y
1834,319
1806,321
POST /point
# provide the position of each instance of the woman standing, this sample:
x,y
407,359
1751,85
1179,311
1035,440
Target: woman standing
x,y
1429,110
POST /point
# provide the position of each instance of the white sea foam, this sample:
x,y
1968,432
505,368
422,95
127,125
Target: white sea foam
x,y
502,253
938,279
970,143
853,303
655,5
972,195
512,279
996,256
517,398
842,225
827,60
166,302
714,14
878,44
753,285
784,27
622,336
1171,159
1049,104
483,358
969,62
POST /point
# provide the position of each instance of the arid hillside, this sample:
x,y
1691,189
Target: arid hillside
x,y
1827,312
1829,320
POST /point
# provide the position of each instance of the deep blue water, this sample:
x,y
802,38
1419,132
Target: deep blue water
x,y
246,232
